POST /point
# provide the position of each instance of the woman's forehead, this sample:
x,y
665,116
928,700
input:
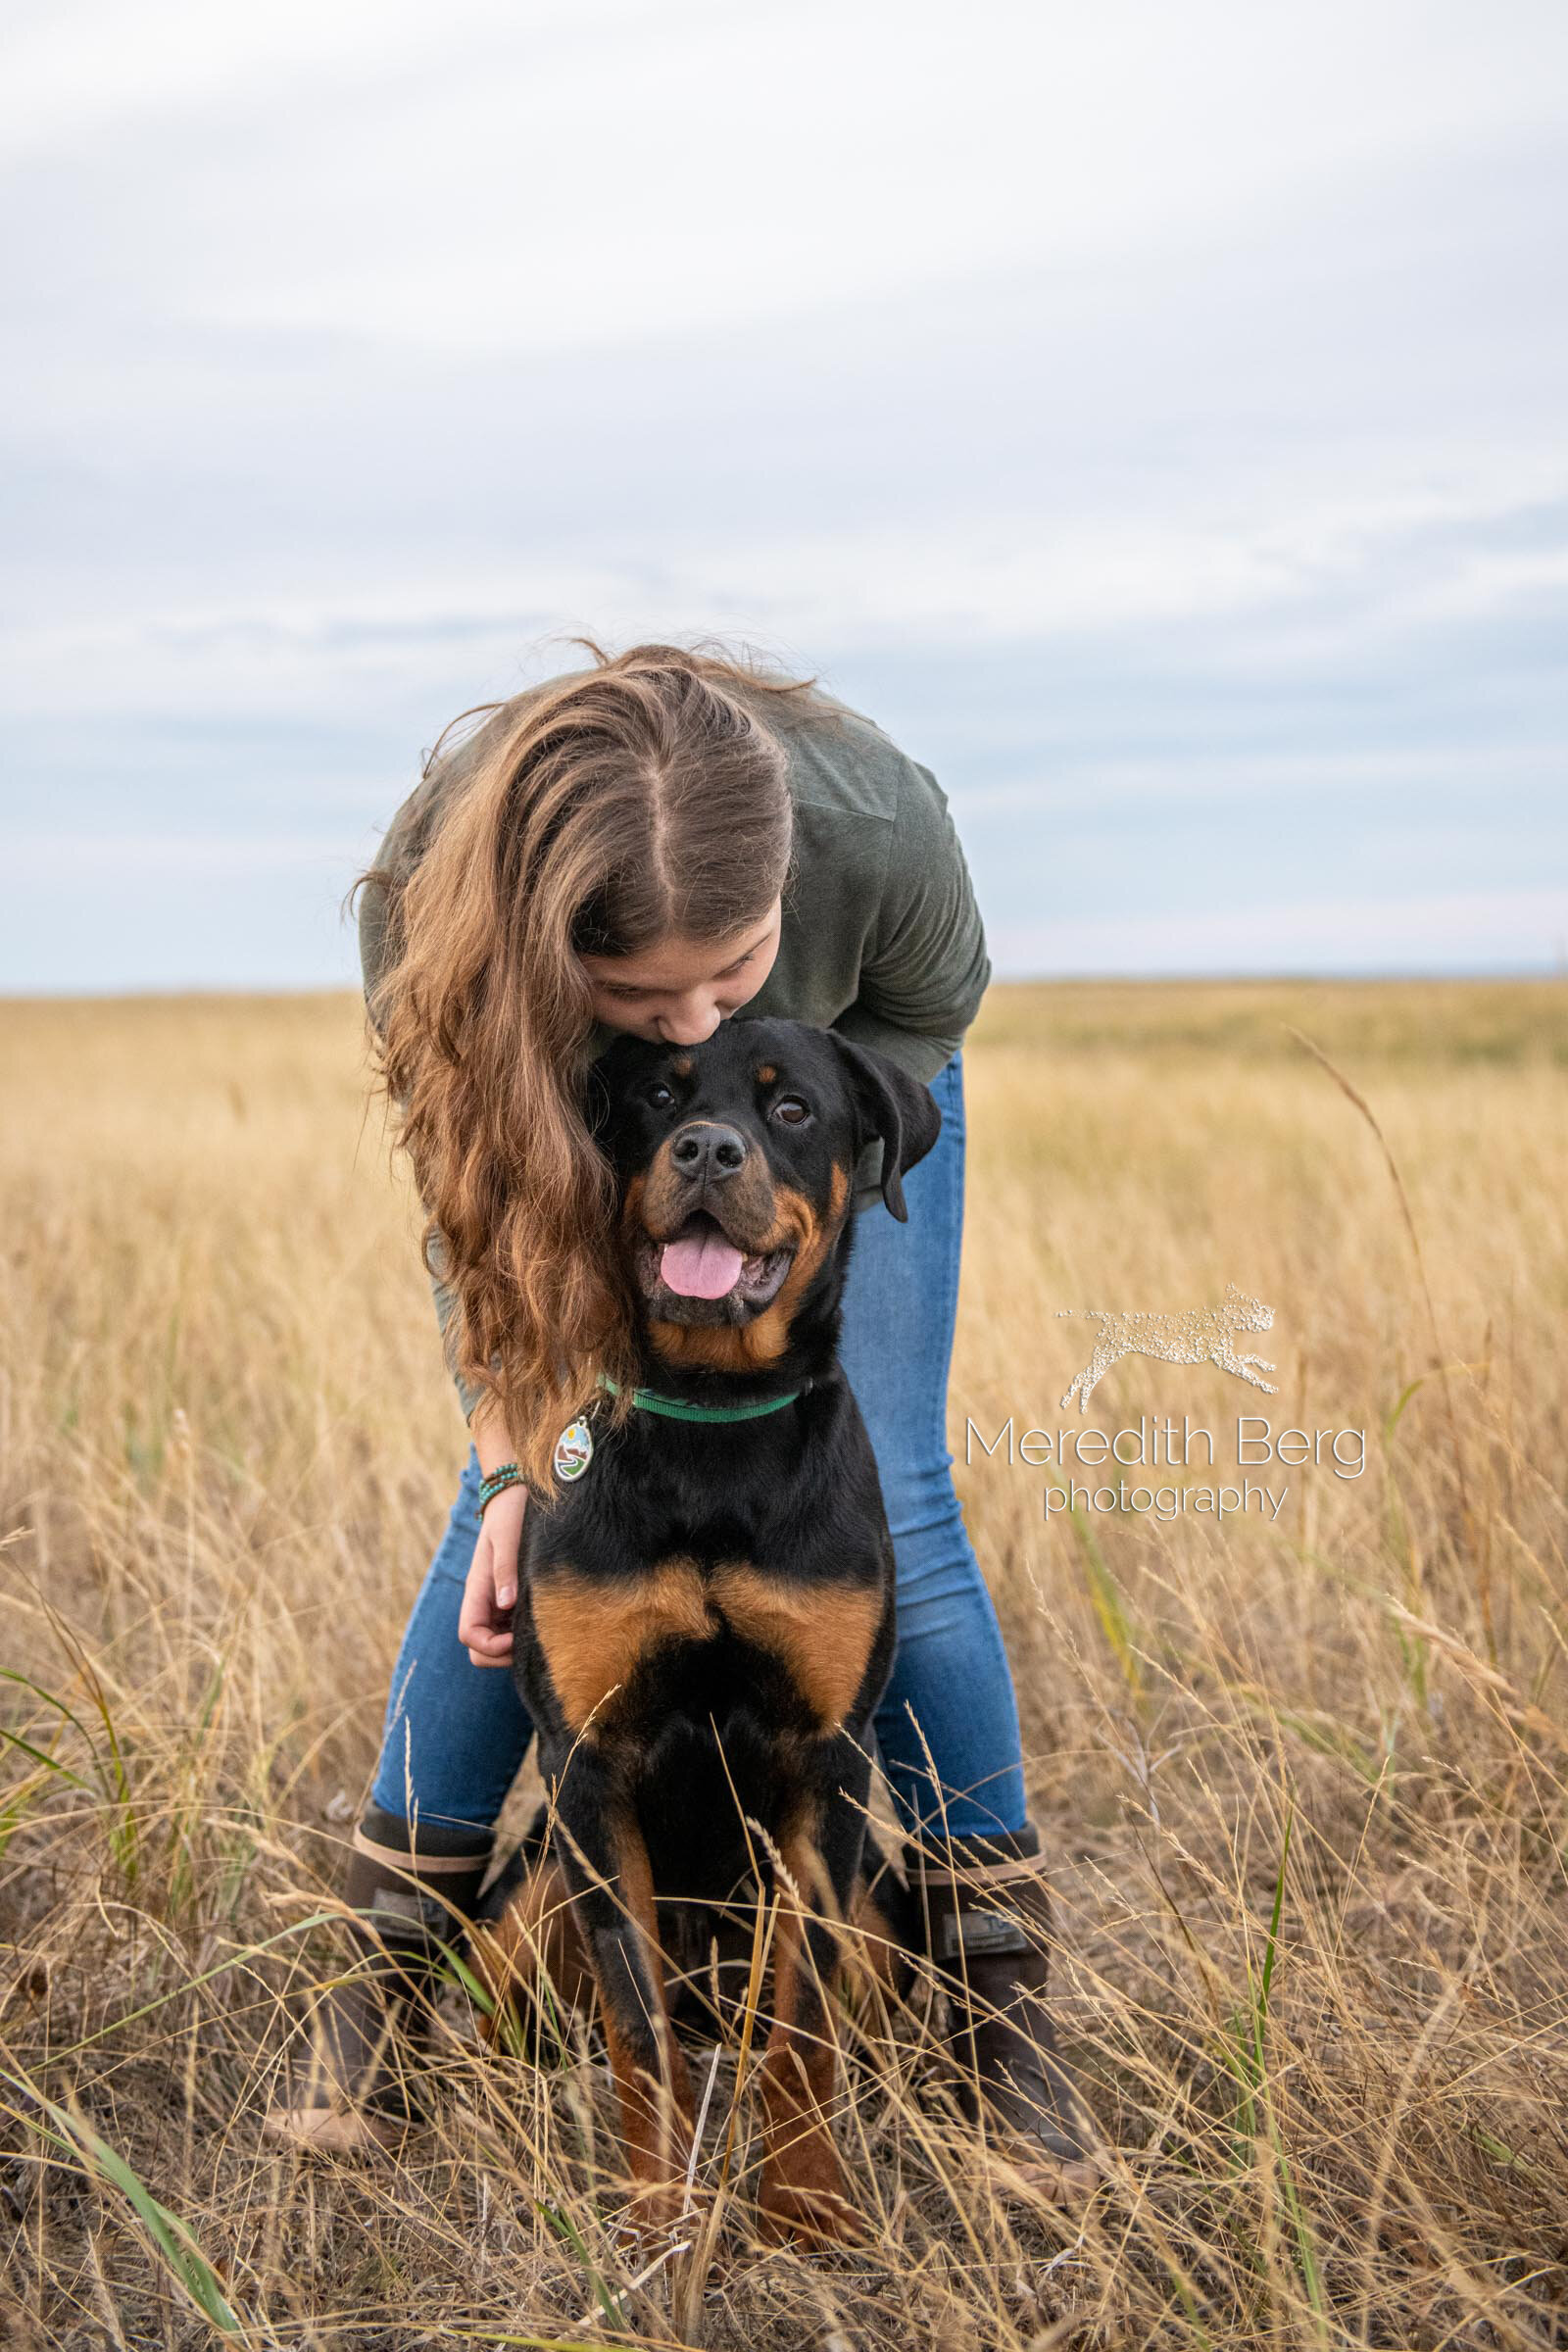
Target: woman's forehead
x,y
676,964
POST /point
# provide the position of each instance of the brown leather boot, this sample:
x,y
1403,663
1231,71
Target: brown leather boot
x,y
344,2088
987,1913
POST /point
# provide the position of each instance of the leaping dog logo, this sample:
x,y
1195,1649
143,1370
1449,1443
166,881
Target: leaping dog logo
x,y
1202,1335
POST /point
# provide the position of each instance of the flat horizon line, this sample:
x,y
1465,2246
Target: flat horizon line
x,y
1381,977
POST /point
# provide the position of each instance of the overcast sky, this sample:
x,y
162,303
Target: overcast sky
x,y
1153,417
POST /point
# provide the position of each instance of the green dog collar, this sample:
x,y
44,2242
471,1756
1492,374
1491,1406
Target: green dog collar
x,y
674,1409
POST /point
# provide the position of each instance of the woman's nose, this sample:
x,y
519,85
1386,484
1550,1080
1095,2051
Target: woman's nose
x,y
689,1025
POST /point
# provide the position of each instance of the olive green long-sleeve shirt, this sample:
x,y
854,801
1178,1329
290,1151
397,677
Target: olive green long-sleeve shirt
x,y
880,936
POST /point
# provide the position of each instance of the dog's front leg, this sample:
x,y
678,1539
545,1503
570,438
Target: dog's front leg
x,y
605,1864
803,2190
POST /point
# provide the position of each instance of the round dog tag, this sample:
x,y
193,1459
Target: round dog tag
x,y
574,1450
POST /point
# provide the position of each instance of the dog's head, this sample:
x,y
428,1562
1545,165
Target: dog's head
x,y
736,1164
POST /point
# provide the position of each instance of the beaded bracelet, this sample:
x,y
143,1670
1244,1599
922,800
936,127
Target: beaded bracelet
x,y
508,1474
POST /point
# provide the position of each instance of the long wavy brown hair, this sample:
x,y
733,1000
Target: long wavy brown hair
x,y
643,799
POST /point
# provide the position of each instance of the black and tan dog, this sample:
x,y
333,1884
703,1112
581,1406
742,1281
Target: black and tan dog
x,y
706,1615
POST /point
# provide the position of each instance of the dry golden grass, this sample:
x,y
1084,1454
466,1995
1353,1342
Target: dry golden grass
x,y
226,1446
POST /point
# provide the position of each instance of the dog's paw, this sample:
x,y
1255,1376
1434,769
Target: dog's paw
x,y
657,2213
1022,2170
340,2131
791,2212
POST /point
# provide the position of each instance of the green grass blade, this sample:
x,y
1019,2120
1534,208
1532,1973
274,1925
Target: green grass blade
x,y
170,2236
50,1762
566,2230
1109,1606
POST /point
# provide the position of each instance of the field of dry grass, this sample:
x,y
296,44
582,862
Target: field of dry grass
x,y
1306,1780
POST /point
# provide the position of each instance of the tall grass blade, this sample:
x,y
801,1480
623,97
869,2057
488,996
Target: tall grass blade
x,y
170,2237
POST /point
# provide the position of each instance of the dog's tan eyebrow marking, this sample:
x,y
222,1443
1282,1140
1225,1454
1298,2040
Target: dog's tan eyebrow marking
x,y
682,1065
767,1074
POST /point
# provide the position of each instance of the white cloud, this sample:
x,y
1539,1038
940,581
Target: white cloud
x,y
489,178
1187,778
1328,579
91,66
1135,404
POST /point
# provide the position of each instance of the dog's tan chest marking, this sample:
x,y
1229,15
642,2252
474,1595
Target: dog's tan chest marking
x,y
595,1636
821,1633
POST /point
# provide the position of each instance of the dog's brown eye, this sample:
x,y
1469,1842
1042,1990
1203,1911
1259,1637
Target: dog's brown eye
x,y
791,1109
660,1096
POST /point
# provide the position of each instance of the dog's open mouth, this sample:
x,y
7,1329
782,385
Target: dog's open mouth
x,y
700,1275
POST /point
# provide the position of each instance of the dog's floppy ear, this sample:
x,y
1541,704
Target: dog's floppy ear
x,y
892,1104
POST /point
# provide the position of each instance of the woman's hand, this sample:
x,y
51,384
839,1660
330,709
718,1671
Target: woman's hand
x,y
490,1593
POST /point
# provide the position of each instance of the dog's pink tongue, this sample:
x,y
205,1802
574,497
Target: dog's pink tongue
x,y
702,1266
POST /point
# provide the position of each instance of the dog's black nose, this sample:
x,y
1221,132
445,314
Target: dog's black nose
x,y
709,1153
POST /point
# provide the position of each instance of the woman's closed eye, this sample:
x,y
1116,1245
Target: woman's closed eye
x,y
626,991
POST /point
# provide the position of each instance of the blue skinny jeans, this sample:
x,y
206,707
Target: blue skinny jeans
x,y
456,1733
